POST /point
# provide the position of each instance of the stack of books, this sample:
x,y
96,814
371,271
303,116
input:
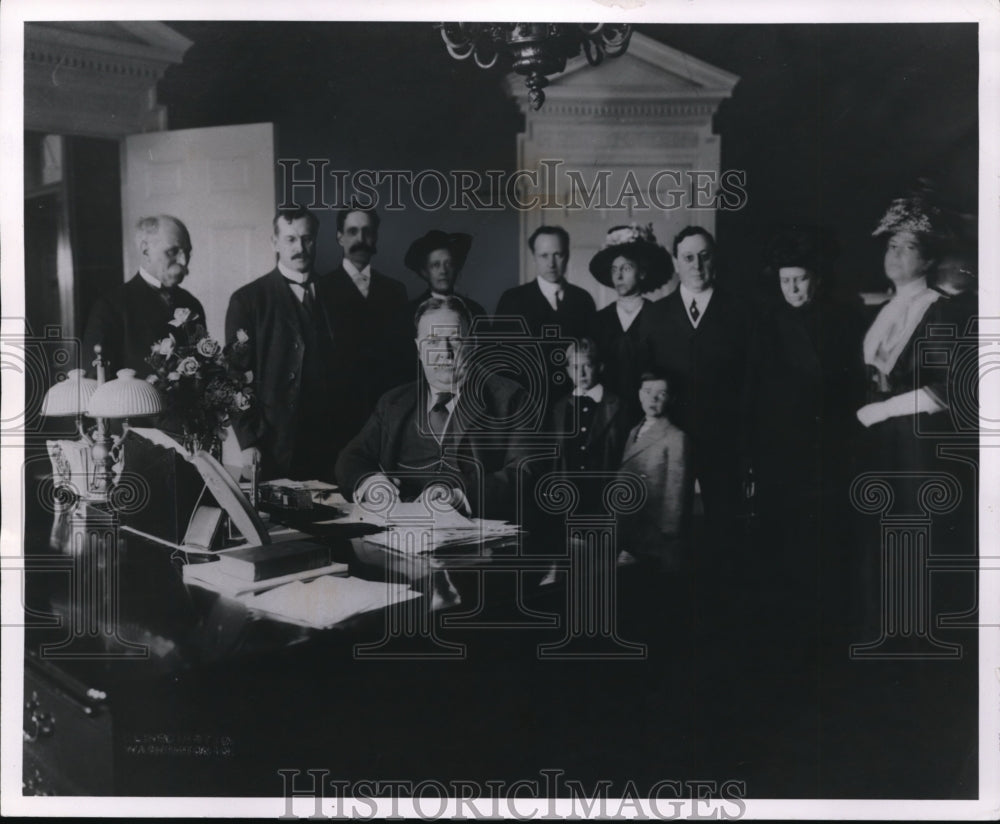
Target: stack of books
x,y
250,569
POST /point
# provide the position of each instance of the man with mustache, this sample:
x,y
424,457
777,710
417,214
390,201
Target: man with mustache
x,y
370,318
432,439
292,429
129,319
697,338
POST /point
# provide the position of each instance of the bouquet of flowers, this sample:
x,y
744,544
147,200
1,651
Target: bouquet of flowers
x,y
203,383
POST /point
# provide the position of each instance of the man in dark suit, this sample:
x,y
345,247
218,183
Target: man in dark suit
x,y
548,301
432,438
293,429
697,337
438,258
129,319
369,313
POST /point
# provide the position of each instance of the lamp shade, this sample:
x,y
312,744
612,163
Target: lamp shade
x,y
125,397
70,396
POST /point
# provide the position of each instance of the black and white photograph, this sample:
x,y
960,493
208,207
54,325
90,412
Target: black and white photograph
x,y
588,417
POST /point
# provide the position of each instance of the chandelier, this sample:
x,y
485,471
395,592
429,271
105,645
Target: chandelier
x,y
535,49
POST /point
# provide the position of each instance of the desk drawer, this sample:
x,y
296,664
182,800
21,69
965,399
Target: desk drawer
x,y
68,743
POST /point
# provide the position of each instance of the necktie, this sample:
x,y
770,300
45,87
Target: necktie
x,y
559,299
695,314
437,418
308,301
167,296
363,282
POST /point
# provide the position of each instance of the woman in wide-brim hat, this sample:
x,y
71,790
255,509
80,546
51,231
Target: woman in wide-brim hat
x,y
633,264
918,235
438,258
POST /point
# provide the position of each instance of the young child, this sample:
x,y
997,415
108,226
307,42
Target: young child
x,y
657,451
593,422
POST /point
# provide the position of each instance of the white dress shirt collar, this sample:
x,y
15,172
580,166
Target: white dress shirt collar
x,y
595,393
700,299
153,282
299,278
362,277
551,291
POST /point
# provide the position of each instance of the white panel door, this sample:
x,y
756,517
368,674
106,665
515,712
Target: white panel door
x,y
221,183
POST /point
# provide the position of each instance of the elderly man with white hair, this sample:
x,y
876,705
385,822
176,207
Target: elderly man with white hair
x,y
130,318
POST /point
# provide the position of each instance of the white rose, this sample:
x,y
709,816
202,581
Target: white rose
x,y
164,347
188,366
181,316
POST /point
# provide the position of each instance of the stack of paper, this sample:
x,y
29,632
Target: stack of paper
x,y
213,577
415,539
327,601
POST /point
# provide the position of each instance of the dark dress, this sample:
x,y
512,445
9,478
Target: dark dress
x,y
909,442
901,454
808,381
622,353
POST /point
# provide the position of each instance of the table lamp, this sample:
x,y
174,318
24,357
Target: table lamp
x,y
120,399
71,459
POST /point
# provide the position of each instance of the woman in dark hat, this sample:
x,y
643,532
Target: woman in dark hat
x,y
632,263
438,257
805,381
806,373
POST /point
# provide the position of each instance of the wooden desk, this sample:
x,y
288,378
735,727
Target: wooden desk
x,y
191,694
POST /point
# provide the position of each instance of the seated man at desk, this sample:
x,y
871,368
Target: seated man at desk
x,y
452,435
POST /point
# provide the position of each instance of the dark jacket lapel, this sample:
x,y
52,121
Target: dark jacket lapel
x,y
284,300
606,411
396,418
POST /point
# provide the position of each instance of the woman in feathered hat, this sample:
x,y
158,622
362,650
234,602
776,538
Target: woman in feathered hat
x,y
917,237
632,263
908,399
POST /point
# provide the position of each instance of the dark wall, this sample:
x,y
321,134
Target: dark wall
x,y
95,220
363,96
829,122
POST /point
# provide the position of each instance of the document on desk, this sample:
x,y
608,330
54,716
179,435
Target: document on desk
x,y
327,601
403,513
212,577
414,539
